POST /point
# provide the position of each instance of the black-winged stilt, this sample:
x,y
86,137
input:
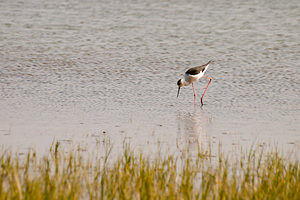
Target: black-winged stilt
x,y
194,74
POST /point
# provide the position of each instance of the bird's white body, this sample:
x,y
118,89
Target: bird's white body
x,y
188,79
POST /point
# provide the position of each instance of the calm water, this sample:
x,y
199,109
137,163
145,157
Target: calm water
x,y
75,71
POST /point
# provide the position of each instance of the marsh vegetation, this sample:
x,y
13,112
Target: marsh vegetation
x,y
60,174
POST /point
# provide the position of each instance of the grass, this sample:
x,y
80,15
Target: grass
x,y
70,175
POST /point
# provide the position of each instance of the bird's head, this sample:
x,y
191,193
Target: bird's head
x,y
179,84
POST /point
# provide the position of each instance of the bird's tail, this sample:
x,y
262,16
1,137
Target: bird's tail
x,y
209,62
206,66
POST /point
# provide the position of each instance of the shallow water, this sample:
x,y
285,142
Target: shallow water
x,y
78,70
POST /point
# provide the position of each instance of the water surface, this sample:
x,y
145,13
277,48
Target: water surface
x,y
78,70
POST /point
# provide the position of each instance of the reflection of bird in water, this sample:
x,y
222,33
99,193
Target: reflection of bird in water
x,y
191,131
192,75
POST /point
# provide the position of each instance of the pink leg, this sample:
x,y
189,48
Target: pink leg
x,y
194,94
205,88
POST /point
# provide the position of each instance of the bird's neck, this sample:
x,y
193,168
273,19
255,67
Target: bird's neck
x,y
185,83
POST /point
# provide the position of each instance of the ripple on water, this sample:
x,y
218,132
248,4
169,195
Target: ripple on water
x,y
68,62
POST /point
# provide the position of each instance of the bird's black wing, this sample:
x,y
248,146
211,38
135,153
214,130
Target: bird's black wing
x,y
197,70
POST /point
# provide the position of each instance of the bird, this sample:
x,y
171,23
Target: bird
x,y
194,74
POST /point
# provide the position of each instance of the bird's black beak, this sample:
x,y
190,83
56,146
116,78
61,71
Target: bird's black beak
x,y
178,92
